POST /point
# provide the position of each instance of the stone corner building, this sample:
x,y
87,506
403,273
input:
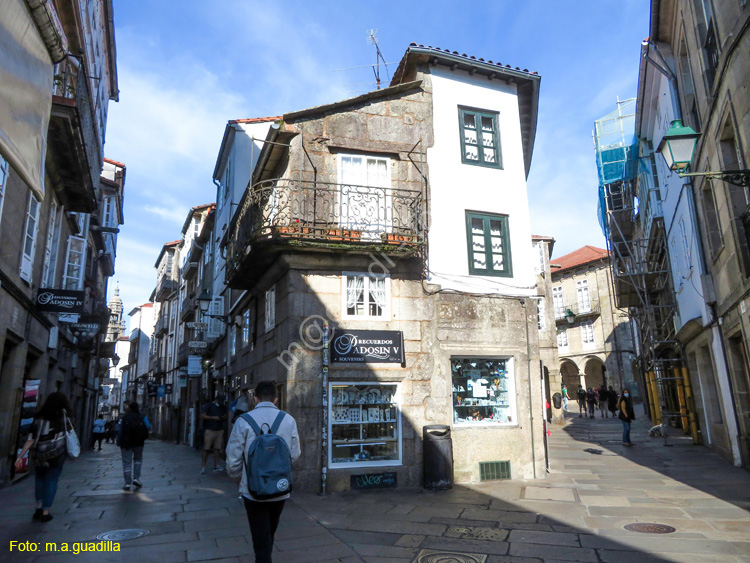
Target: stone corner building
x,y
398,219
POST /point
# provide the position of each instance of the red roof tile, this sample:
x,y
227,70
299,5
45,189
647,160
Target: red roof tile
x,y
579,257
256,119
120,164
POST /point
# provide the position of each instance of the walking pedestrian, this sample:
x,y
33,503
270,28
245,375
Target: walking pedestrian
x,y
132,436
602,396
98,432
581,397
565,397
262,515
591,401
626,415
108,428
213,415
612,401
47,438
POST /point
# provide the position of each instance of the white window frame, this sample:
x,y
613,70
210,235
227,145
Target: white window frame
x,y
558,301
541,313
108,211
375,226
71,282
539,266
270,303
399,432
587,334
215,325
584,296
562,339
366,276
52,247
3,182
30,231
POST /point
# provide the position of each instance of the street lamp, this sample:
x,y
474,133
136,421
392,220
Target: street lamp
x,y
115,360
678,149
570,317
204,300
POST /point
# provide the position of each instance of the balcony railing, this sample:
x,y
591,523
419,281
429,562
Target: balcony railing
x,y
578,309
161,326
156,364
187,311
325,214
74,137
165,285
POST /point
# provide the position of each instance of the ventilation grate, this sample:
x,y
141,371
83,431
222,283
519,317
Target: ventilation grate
x,y
494,470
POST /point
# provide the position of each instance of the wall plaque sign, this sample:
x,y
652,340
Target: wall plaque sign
x,y
372,346
50,300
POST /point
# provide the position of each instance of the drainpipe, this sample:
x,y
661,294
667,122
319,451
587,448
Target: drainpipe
x,y
531,404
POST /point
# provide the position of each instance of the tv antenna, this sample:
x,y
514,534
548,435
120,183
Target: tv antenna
x,y
372,39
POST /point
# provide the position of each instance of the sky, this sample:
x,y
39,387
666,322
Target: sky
x,y
186,67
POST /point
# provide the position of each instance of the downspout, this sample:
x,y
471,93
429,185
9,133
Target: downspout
x,y
531,404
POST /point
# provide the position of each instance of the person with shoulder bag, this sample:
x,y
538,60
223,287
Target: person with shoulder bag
x,y
47,444
626,415
261,448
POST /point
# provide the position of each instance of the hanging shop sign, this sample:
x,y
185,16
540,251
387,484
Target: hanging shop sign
x,y
195,365
197,344
84,331
68,317
152,388
371,346
197,326
50,300
168,388
161,391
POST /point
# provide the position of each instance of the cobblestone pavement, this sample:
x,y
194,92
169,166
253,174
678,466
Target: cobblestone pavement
x,y
578,513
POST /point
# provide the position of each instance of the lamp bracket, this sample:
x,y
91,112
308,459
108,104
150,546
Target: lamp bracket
x,y
739,178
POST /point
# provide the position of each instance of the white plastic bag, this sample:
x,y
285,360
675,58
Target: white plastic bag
x,y
71,438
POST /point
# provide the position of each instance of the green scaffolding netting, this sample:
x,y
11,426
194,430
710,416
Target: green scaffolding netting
x,y
616,151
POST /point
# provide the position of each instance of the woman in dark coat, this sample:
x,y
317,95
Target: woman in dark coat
x,y
612,401
626,415
48,424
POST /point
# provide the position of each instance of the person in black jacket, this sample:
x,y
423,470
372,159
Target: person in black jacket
x,y
133,434
626,415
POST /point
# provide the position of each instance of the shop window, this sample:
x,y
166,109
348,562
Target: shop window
x,y
270,309
366,296
480,140
488,243
483,391
364,424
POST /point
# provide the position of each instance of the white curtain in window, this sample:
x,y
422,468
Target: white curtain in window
x,y
377,297
355,292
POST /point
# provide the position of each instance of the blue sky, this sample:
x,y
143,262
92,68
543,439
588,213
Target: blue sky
x,y
186,67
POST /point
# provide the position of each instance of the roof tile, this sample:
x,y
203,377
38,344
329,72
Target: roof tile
x,y
579,257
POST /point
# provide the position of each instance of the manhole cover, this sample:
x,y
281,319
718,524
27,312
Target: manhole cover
x,y
435,556
645,528
120,535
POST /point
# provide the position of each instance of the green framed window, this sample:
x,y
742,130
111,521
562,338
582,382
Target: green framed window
x,y
488,241
480,137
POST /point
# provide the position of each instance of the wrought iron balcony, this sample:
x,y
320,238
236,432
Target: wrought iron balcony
x,y
187,311
278,214
579,310
165,285
157,365
161,326
74,154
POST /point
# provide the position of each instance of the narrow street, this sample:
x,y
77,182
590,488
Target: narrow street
x,y
595,488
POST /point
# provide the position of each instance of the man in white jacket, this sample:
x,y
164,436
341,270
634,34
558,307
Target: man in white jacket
x,y
263,515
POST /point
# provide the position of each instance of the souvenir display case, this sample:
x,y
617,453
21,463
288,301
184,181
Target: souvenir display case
x,y
483,391
364,424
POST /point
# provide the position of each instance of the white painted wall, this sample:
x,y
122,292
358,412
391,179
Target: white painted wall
x,y
456,187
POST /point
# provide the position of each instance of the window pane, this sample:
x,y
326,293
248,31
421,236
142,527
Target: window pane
x,y
355,295
377,297
470,121
471,152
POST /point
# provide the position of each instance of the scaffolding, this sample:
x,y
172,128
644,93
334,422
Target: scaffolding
x,y
637,241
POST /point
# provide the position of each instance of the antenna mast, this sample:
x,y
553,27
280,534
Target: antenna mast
x,y
372,39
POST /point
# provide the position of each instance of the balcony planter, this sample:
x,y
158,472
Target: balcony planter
x,y
395,239
287,231
342,234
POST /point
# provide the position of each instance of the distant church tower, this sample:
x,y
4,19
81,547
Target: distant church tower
x,y
116,326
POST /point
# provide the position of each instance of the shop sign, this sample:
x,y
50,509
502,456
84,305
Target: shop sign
x,y
195,365
373,481
84,331
197,344
161,391
196,325
68,317
50,300
372,346
168,388
152,388
110,381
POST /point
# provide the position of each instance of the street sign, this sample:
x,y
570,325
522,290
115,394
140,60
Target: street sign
x,y
197,325
197,344
195,365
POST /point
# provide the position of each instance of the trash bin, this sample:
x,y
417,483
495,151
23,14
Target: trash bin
x,y
437,448
557,400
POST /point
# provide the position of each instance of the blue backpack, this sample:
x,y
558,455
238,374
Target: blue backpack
x,y
268,461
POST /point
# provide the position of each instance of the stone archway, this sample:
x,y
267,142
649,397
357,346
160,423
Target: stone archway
x,y
595,374
571,376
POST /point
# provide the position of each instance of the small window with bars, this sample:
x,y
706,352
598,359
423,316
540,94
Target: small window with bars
x,y
494,470
488,245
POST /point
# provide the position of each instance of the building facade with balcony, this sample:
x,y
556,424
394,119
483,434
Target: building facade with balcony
x,y
60,207
396,225
594,339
